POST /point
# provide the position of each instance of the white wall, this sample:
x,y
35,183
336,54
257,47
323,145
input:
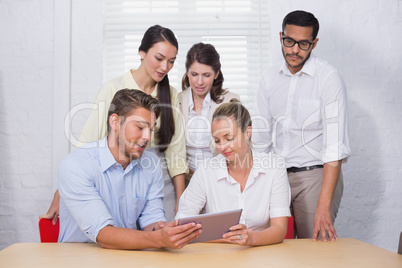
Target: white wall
x,y
361,38
28,99
26,71
87,58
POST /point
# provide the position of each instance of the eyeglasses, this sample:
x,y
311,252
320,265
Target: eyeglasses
x,y
290,42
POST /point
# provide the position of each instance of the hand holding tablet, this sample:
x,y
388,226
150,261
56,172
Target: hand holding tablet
x,y
214,225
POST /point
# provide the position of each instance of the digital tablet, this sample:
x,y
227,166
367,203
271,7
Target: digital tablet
x,y
214,225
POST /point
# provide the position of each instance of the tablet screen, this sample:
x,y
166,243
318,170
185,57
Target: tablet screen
x,y
214,225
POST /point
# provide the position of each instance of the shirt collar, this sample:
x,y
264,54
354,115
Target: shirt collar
x,y
308,68
258,166
207,100
259,163
154,93
222,171
107,159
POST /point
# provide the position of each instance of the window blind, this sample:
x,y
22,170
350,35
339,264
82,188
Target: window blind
x,y
239,30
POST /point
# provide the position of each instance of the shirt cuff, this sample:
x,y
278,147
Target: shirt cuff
x,y
336,152
144,221
279,212
93,232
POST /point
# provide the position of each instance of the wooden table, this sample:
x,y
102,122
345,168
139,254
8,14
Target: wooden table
x,y
345,252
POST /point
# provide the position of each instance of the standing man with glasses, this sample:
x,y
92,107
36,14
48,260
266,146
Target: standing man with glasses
x,y
303,117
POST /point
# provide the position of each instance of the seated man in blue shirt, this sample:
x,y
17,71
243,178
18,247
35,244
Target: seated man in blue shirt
x,y
112,190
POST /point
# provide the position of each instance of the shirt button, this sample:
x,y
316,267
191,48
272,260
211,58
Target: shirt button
x,y
122,195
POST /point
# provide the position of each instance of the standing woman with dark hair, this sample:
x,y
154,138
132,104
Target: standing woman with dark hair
x,y
202,93
158,52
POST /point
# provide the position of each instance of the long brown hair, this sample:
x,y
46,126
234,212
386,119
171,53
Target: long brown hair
x,y
153,35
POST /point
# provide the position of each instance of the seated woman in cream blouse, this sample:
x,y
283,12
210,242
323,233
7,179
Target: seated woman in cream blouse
x,y
240,177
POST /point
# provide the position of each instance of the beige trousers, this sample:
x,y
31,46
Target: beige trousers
x,y
305,191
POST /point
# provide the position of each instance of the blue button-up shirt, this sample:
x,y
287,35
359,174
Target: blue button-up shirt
x,y
96,191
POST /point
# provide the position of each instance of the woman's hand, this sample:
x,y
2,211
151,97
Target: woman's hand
x,y
239,234
53,211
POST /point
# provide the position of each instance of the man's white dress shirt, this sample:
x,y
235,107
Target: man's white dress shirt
x,y
302,116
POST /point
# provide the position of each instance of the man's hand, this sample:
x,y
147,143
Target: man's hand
x,y
159,225
177,236
155,226
53,211
171,235
323,220
323,223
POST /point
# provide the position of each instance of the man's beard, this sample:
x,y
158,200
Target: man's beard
x,y
300,64
131,155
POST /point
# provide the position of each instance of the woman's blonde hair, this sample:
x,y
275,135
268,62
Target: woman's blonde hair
x,y
235,110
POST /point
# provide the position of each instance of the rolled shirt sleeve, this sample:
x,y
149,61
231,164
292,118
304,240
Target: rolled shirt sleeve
x,y
335,120
280,192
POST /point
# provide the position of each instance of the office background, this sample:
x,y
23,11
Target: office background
x,y
50,61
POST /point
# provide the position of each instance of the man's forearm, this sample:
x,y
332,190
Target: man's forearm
x,y
123,238
329,182
170,235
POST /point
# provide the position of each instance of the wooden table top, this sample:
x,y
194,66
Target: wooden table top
x,y
345,252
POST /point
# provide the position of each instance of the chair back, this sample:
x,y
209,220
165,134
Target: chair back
x,y
48,232
291,228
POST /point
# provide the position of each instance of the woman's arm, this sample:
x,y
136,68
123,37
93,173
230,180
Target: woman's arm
x,y
193,198
239,234
179,186
53,211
